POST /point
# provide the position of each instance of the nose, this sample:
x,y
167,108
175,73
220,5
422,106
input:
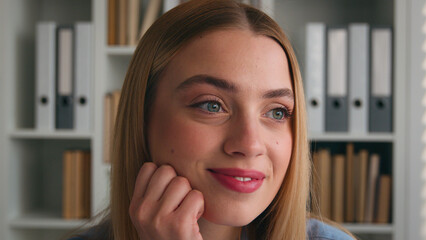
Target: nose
x,y
244,139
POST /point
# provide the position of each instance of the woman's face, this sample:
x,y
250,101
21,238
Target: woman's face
x,y
221,118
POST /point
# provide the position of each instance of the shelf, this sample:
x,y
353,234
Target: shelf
x,y
60,134
351,137
121,51
369,228
33,158
46,221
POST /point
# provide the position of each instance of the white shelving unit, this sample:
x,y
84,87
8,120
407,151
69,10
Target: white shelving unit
x,y
31,161
44,221
120,51
341,137
31,134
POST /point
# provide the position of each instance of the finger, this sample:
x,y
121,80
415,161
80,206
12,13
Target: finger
x,y
159,181
192,207
174,194
143,178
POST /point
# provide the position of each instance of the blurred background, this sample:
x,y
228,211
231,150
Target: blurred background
x,y
62,64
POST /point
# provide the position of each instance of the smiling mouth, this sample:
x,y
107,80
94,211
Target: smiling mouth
x,y
238,180
243,179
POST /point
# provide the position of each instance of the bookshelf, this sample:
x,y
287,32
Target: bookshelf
x,y
30,161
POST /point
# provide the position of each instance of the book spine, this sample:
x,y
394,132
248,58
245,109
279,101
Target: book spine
x,y
122,22
67,185
325,179
133,20
363,166
107,128
150,16
112,22
384,198
349,187
338,188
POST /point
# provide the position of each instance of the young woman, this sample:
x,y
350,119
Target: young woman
x,y
210,136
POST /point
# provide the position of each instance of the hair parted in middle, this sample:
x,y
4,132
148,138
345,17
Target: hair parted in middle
x,y
286,216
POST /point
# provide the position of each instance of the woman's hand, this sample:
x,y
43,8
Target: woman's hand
x,y
164,206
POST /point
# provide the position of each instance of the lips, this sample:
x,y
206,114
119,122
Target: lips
x,y
239,180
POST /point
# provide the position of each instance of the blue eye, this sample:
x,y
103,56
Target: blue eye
x,y
277,114
211,106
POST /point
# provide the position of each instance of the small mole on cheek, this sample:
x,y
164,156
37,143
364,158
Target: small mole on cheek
x,y
277,142
172,151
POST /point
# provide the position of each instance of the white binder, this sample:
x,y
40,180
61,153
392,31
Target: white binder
x,y
45,76
315,76
83,76
381,80
359,66
336,109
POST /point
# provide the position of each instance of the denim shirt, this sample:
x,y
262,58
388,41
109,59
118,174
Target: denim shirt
x,y
315,229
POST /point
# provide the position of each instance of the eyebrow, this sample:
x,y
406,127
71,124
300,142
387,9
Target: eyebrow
x,y
223,84
206,79
282,92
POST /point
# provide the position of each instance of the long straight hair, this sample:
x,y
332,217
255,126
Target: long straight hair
x,y
286,216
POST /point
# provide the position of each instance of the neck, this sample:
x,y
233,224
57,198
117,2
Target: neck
x,y
211,231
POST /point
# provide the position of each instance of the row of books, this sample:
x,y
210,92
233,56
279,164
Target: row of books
x,y
349,78
124,24
111,101
128,20
63,76
350,188
76,184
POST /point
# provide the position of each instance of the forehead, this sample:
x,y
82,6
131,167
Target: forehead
x,y
240,56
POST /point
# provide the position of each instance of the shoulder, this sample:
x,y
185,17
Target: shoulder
x,y
317,230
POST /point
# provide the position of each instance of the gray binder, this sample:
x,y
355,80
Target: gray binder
x,y
381,81
64,78
337,74
83,76
359,74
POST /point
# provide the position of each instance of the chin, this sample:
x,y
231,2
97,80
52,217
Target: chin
x,y
230,215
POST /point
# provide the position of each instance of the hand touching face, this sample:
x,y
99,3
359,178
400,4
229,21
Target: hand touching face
x,y
164,206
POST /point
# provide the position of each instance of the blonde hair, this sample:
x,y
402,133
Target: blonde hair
x,y
286,217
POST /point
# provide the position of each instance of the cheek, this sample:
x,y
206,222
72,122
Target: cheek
x,y
178,142
281,155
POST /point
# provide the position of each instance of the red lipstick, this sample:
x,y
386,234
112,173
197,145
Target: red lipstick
x,y
239,180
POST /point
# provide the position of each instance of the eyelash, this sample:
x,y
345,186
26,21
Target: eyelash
x,y
287,114
215,101
199,105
